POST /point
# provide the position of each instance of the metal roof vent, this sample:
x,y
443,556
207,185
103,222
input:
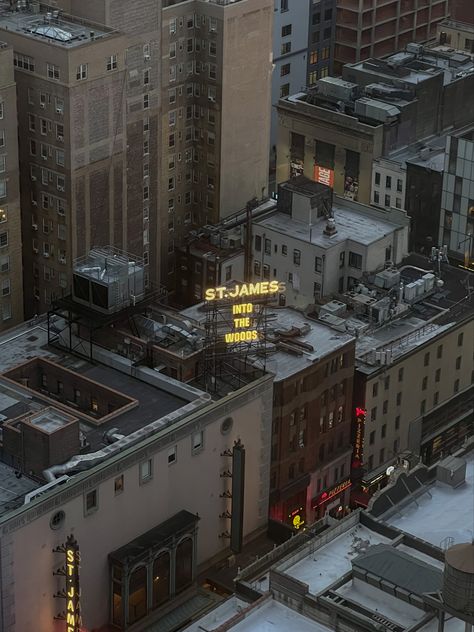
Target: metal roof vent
x,y
330,229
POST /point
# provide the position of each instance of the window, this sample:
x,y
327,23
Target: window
x,y
388,182
172,25
285,70
385,407
283,5
52,71
386,382
373,413
458,362
397,422
118,485
387,200
377,178
398,203
372,438
399,398
146,471
258,243
424,383
355,260
284,250
423,407
318,264
81,72
328,15
297,257
111,62
286,48
286,30
427,359
400,374
325,52
313,57
438,375
91,502
399,185
161,579
268,247
197,441
4,235
384,431
439,352
23,61
460,339
436,398
146,101
284,90
456,386
228,273
327,33
172,455
137,594
376,197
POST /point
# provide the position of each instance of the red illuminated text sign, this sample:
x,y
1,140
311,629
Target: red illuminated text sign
x,y
326,496
361,414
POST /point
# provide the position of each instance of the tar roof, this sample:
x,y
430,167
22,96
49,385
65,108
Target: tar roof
x,y
351,226
153,402
399,569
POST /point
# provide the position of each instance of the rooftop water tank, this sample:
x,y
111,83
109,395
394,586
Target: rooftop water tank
x,y
458,580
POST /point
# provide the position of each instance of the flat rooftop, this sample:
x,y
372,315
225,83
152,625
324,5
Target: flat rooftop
x,y
153,402
13,488
441,512
322,338
269,616
351,226
50,26
323,567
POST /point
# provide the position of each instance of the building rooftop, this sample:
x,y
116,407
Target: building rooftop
x,y
441,512
352,225
13,488
153,402
38,21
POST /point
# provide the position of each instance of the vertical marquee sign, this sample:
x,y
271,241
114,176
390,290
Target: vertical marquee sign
x,y
358,455
70,571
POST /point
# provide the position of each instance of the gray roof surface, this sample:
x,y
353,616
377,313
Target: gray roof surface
x,y
400,569
350,224
13,489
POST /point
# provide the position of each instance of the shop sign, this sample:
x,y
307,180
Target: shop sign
x,y
361,415
296,518
324,176
326,496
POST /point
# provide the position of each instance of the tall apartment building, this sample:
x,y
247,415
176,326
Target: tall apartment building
x,y
215,118
372,28
456,226
321,34
11,282
87,111
290,51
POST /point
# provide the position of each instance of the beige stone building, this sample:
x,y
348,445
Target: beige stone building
x,y
11,281
216,85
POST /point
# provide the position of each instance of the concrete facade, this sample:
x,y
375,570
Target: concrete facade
x,y
216,78
11,277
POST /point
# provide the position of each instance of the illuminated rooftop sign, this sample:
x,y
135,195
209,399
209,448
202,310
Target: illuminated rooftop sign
x,y
242,290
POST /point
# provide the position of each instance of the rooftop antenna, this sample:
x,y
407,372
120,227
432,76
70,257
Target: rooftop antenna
x,y
438,256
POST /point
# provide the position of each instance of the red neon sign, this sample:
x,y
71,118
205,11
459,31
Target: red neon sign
x,y
326,496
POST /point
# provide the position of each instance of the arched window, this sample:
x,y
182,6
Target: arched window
x,y
184,564
137,592
161,579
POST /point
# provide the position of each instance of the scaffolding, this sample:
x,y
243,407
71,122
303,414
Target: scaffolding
x,y
230,365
